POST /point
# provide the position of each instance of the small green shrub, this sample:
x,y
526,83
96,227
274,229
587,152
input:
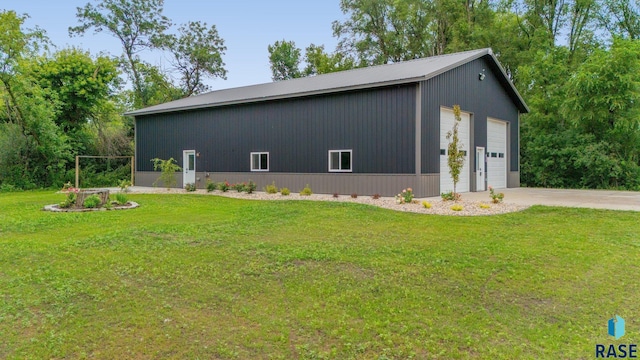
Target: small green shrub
x,y
8,188
450,196
271,189
92,202
121,199
285,191
484,206
250,187
190,187
70,200
224,186
457,207
124,185
211,186
239,187
306,191
495,197
405,197
426,204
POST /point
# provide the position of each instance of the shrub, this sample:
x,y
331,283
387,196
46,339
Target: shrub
x,y
306,191
211,186
121,199
354,196
70,200
92,201
190,187
124,185
238,187
224,186
285,191
450,196
405,197
271,189
9,188
375,196
335,195
496,198
426,204
457,207
250,187
168,170
484,206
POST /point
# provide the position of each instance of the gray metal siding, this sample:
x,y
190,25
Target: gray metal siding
x,y
487,98
377,124
327,183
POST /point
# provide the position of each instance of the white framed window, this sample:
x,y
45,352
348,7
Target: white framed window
x,y
340,160
259,161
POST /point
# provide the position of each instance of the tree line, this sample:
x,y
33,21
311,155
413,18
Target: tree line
x,y
575,62
56,104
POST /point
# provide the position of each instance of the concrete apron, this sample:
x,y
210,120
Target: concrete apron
x,y
595,199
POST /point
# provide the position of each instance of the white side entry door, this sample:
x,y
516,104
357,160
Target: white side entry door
x,y
188,167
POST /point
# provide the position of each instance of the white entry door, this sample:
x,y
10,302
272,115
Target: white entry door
x,y
447,119
188,167
480,169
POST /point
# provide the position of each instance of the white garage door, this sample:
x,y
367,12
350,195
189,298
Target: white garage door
x,y
446,124
497,153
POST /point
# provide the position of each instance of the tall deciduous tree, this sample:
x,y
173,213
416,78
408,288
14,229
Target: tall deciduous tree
x,y
78,82
138,25
37,156
383,31
284,58
197,54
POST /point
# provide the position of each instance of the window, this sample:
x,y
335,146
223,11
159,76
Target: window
x,y
443,151
259,161
339,160
501,155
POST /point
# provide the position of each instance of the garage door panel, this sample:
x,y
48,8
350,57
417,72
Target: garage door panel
x,y
497,153
447,120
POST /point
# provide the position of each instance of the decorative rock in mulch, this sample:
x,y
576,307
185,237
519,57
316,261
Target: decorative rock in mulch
x,y
56,208
438,207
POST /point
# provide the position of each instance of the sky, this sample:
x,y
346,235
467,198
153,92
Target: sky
x,y
247,27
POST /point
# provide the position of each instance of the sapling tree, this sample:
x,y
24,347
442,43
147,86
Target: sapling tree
x,y
456,155
168,170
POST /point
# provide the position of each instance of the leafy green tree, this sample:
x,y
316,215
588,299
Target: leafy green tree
x,y
32,147
138,25
197,54
284,58
320,62
383,31
456,156
78,82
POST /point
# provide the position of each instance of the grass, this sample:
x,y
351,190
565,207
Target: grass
x,y
188,276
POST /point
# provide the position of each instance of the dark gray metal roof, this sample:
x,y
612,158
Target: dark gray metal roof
x,y
362,78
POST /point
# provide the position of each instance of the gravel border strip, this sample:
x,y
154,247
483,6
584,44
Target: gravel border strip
x,y
438,207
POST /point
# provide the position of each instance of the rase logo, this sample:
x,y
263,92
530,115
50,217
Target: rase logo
x,y
615,328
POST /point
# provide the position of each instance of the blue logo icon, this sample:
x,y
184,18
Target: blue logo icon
x,y
616,327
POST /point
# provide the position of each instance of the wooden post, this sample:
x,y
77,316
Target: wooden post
x,y
77,171
132,169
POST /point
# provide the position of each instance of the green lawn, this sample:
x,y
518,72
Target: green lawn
x,y
205,277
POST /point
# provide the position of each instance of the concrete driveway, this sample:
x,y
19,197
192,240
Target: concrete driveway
x,y
595,199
